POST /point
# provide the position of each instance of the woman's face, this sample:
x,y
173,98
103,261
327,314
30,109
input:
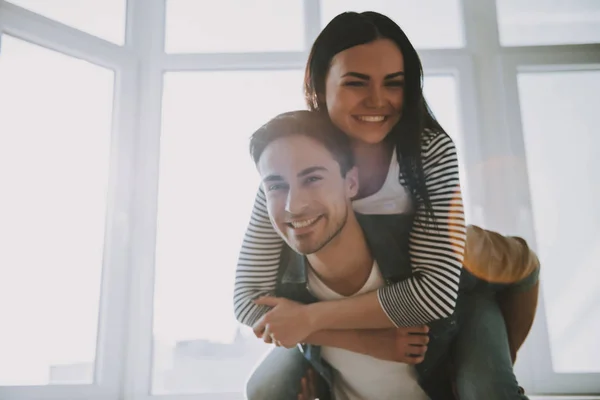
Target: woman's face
x,y
364,90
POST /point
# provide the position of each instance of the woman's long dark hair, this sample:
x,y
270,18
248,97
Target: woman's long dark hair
x,y
351,29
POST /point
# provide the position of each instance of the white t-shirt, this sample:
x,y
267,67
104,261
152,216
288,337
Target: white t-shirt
x,y
358,376
392,198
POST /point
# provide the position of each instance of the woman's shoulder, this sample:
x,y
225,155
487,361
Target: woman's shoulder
x,y
435,142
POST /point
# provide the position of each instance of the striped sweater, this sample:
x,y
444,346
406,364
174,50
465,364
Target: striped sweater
x,y
436,254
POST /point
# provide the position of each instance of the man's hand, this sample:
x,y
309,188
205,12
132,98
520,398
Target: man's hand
x,y
308,388
405,345
287,324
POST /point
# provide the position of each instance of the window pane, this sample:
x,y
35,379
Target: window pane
x,y
441,94
105,19
207,188
234,26
427,23
547,22
563,160
54,150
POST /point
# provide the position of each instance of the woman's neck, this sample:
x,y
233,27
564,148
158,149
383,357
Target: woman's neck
x,y
373,163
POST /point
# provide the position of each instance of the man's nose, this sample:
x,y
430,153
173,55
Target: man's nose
x,y
296,201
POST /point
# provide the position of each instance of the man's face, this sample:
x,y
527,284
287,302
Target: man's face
x,y
307,197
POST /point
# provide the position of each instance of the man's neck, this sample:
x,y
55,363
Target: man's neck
x,y
345,263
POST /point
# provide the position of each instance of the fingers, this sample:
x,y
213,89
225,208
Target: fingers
x,y
311,382
267,336
259,327
417,340
305,390
418,330
413,330
417,347
269,301
413,359
413,344
307,387
417,351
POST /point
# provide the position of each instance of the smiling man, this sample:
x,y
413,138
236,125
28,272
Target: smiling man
x,y
335,254
309,179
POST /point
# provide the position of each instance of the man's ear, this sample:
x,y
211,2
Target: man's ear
x,y
352,183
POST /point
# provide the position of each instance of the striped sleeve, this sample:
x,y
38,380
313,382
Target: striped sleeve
x,y
436,252
258,262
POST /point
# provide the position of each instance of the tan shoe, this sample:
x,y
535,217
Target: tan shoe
x,y
496,258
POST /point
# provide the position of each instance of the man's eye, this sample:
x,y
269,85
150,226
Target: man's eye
x,y
312,179
275,186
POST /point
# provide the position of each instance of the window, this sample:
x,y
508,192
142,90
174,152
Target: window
x,y
54,144
547,22
234,26
127,183
105,19
429,24
559,123
207,187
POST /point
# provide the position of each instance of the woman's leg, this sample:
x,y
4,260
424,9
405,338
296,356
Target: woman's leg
x,y
518,304
511,268
278,376
481,353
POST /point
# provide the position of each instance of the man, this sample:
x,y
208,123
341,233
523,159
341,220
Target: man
x,y
309,179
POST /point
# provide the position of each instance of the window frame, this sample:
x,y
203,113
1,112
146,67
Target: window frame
x,y
110,345
537,350
486,76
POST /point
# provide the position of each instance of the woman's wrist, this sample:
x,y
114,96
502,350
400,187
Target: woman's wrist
x,y
316,316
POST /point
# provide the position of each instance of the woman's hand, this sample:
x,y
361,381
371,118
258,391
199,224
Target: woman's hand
x,y
405,345
287,324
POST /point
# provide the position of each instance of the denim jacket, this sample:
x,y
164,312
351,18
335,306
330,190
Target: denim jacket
x,y
387,237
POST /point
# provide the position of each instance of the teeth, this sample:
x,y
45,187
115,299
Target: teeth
x,y
372,118
303,224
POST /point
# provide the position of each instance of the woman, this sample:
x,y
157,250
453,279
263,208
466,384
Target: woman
x,y
366,75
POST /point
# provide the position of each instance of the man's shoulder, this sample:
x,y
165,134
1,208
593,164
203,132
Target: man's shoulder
x,y
374,225
388,238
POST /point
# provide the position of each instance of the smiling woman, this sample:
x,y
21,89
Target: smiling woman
x,y
366,104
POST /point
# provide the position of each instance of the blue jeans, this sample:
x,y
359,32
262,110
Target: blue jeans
x,y
481,354
278,376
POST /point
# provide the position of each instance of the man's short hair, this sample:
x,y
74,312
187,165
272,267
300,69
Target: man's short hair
x,y
313,124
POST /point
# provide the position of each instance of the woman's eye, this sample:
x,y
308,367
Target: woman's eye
x,y
354,83
396,83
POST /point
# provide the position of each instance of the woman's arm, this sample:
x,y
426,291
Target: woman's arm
x,y
258,262
436,252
